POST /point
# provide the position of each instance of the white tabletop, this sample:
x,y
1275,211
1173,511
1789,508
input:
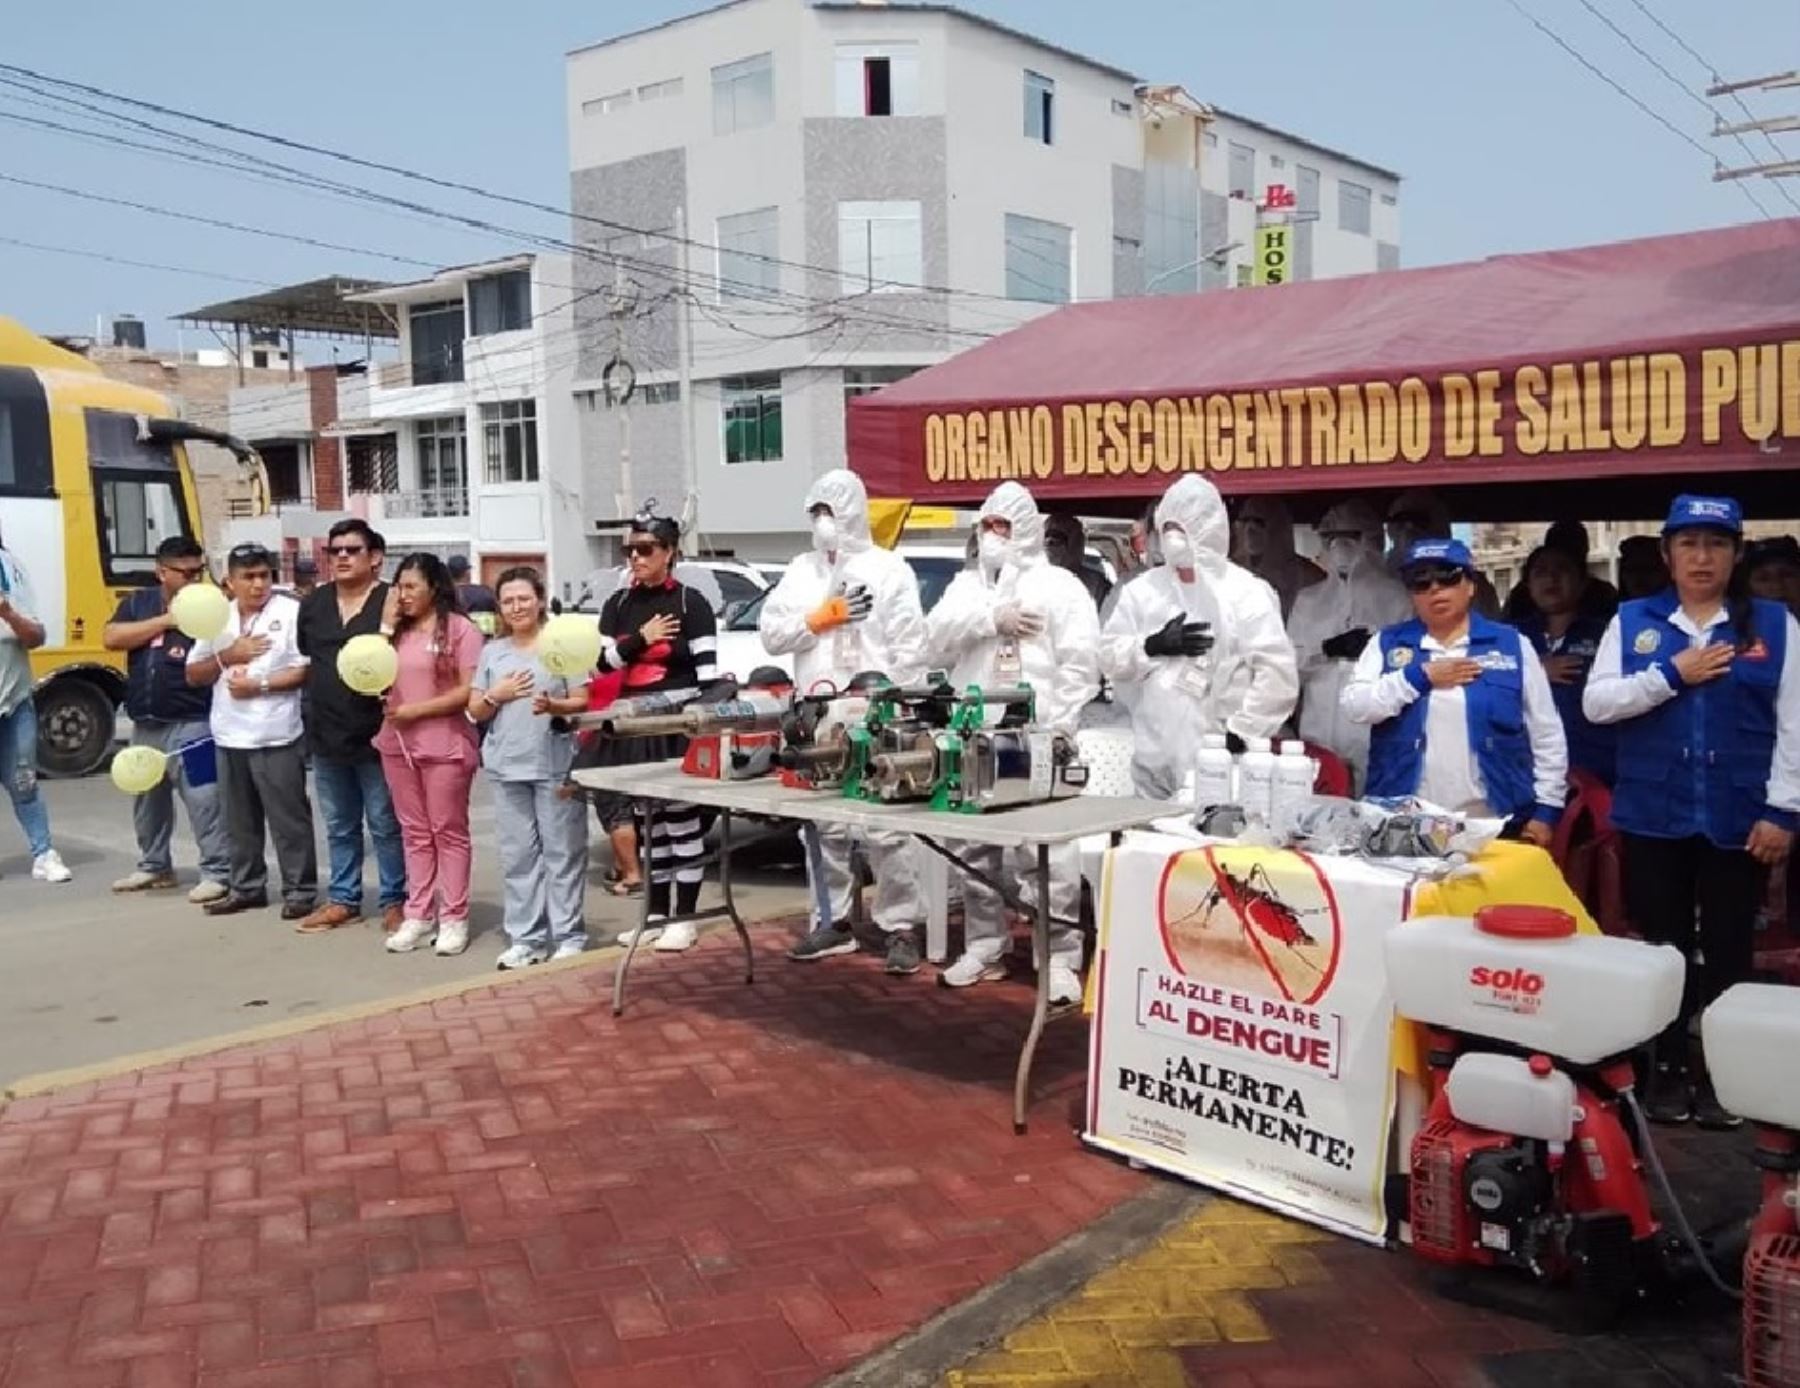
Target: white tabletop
x,y
1058,821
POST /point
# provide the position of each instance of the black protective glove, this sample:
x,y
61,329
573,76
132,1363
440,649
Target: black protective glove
x,y
1179,637
860,601
1233,743
1347,645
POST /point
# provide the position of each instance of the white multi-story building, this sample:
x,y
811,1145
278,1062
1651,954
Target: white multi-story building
x,y
786,203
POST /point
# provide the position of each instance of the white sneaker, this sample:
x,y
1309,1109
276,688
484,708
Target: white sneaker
x,y
48,866
678,937
452,937
651,930
138,880
971,969
410,936
207,891
519,957
1065,985
570,949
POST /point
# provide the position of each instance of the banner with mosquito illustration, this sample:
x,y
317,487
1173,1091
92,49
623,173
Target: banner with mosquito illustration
x,y
1242,1033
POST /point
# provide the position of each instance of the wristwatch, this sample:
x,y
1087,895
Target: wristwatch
x,y
263,684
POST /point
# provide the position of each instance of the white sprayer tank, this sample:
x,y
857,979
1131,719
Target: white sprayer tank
x,y
1751,1035
1520,974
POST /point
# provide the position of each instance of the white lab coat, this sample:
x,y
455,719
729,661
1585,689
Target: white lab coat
x,y
1246,684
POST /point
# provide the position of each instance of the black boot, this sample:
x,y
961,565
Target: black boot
x,y
1669,1098
1709,1113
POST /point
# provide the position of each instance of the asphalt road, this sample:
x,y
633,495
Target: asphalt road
x,y
88,976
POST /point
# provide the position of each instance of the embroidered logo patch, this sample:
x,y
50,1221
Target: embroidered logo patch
x,y
1646,641
1400,657
1756,650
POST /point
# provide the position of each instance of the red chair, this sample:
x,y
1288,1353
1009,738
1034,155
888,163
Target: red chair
x,y
1590,853
1333,777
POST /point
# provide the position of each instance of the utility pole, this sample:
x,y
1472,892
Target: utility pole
x,y
1780,168
684,357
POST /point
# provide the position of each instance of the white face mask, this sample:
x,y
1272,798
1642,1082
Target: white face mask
x,y
995,550
1178,550
825,534
1342,552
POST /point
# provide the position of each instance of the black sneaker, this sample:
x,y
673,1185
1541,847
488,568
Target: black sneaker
x,y
822,944
1709,1113
231,905
1670,1100
903,955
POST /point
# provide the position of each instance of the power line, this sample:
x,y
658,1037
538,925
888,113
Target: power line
x,y
136,264
1636,101
1680,86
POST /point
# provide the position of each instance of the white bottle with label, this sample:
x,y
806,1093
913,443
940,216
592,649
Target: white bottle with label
x,y
1256,779
1294,776
1212,773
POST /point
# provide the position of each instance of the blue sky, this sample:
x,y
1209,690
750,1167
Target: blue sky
x,y
1505,143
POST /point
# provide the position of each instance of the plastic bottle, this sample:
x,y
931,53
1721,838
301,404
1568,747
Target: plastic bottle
x,y
1256,779
1294,776
1212,773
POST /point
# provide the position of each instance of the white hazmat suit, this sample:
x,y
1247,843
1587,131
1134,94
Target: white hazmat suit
x,y
1246,684
890,641
1016,616
1358,595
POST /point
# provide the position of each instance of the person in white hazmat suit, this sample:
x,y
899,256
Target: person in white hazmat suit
x,y
844,608
1016,617
1196,646
1332,622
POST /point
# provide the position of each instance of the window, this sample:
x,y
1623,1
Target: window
x,y
1353,207
1040,102
606,105
748,245
1123,108
443,484
866,380
1389,200
743,94
878,79
509,441
1039,259
661,393
752,409
371,464
500,303
659,91
879,247
1246,276
437,343
1172,240
1243,171
24,435
137,495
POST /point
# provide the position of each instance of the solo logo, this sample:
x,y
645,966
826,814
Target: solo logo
x,y
1516,990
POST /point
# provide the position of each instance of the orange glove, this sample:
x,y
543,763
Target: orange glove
x,y
829,615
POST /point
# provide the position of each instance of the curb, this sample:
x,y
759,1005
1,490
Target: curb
x,y
923,1357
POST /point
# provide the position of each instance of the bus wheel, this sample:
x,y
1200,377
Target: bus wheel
x,y
76,720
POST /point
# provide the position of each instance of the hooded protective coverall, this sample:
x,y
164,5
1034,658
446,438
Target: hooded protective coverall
x,y
889,641
1246,684
1358,591
1060,663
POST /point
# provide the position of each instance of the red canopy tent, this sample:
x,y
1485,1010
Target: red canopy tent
x,y
1674,357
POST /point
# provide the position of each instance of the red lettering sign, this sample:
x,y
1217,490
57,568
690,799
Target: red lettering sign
x,y
1279,197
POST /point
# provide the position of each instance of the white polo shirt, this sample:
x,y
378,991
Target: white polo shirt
x,y
267,720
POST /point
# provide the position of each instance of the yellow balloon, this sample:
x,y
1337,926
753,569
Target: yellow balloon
x,y
138,769
485,623
368,664
200,610
570,645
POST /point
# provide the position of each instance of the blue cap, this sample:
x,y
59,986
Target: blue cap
x,y
1712,512
1450,553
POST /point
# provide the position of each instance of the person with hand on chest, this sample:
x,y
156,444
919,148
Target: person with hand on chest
x,y
1701,684
1334,621
845,608
1563,629
168,713
255,670
1460,712
340,732
428,752
1017,618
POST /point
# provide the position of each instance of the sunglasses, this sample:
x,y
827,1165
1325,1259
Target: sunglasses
x,y
1425,580
184,571
642,549
345,551
249,556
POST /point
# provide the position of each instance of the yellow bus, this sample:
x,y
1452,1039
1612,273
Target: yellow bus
x,y
93,477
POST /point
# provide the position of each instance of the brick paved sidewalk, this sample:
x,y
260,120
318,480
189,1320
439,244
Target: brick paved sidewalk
x,y
728,1186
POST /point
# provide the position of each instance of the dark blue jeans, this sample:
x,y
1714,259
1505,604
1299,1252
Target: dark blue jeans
x,y
348,792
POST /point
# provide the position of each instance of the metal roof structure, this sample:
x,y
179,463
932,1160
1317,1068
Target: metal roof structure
x,y
315,308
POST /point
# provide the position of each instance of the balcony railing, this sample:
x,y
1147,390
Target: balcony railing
x,y
431,504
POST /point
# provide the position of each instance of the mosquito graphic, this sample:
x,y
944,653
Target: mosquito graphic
x,y
1258,909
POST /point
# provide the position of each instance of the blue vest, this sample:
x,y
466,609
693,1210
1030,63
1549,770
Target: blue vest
x,y
1591,745
1496,710
156,687
1698,763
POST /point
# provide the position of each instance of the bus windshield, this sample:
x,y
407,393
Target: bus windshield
x,y
137,496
